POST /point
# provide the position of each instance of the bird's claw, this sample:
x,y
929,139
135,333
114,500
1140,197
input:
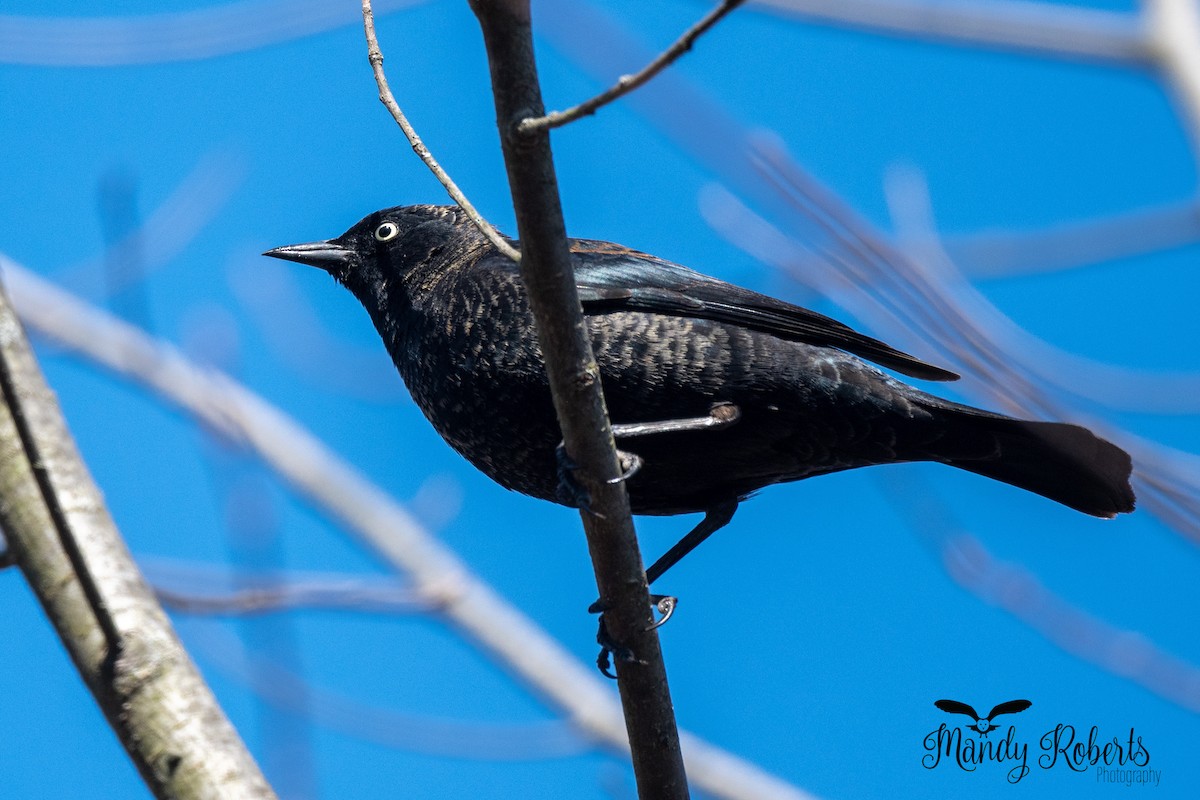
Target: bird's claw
x,y
610,648
664,604
630,463
571,492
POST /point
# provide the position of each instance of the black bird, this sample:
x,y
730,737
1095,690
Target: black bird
x,y
718,390
983,725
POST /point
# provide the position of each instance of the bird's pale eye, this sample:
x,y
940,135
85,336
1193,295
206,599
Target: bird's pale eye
x,y
386,231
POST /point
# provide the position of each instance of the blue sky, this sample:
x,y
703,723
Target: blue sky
x,y
816,631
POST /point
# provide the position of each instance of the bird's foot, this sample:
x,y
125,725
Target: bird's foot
x,y
665,604
610,648
571,492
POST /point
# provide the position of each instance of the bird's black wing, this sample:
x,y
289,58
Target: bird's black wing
x,y
613,278
1011,707
955,707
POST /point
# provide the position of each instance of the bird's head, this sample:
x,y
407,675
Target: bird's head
x,y
395,247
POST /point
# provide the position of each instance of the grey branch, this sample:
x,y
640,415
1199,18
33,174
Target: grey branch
x,y
1174,27
1045,28
139,673
165,37
1002,253
278,685
389,101
292,594
378,522
627,83
1012,587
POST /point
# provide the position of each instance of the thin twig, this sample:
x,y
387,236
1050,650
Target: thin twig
x,y
383,526
375,55
627,83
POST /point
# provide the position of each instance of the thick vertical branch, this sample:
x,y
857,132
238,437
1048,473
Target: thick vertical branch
x,y
575,382
133,663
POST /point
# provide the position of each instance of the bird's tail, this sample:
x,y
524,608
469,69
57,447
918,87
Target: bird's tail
x,y
1066,463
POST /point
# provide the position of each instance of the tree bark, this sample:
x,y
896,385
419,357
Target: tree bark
x,y
549,279
54,519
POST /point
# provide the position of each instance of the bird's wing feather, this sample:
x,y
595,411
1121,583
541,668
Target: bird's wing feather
x,y
1011,707
616,279
955,707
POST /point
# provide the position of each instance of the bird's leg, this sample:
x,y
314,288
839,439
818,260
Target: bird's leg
x,y
719,416
571,493
715,518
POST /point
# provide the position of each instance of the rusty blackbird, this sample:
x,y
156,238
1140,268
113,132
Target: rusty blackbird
x,y
717,390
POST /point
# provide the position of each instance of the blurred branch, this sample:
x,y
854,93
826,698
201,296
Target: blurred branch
x,y
375,56
1071,245
1018,591
1174,28
168,230
379,523
627,83
844,257
548,275
1119,388
304,342
888,291
61,41
1045,28
66,544
294,594
279,686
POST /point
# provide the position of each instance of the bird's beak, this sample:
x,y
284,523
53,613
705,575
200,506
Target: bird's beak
x,y
324,255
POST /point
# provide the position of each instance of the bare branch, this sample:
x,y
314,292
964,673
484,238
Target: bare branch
x,y
1002,253
379,523
627,83
118,637
304,342
903,297
1013,588
1174,29
346,594
1044,28
1118,387
167,37
389,101
549,278
277,684
169,229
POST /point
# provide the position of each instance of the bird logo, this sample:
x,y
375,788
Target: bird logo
x,y
983,725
